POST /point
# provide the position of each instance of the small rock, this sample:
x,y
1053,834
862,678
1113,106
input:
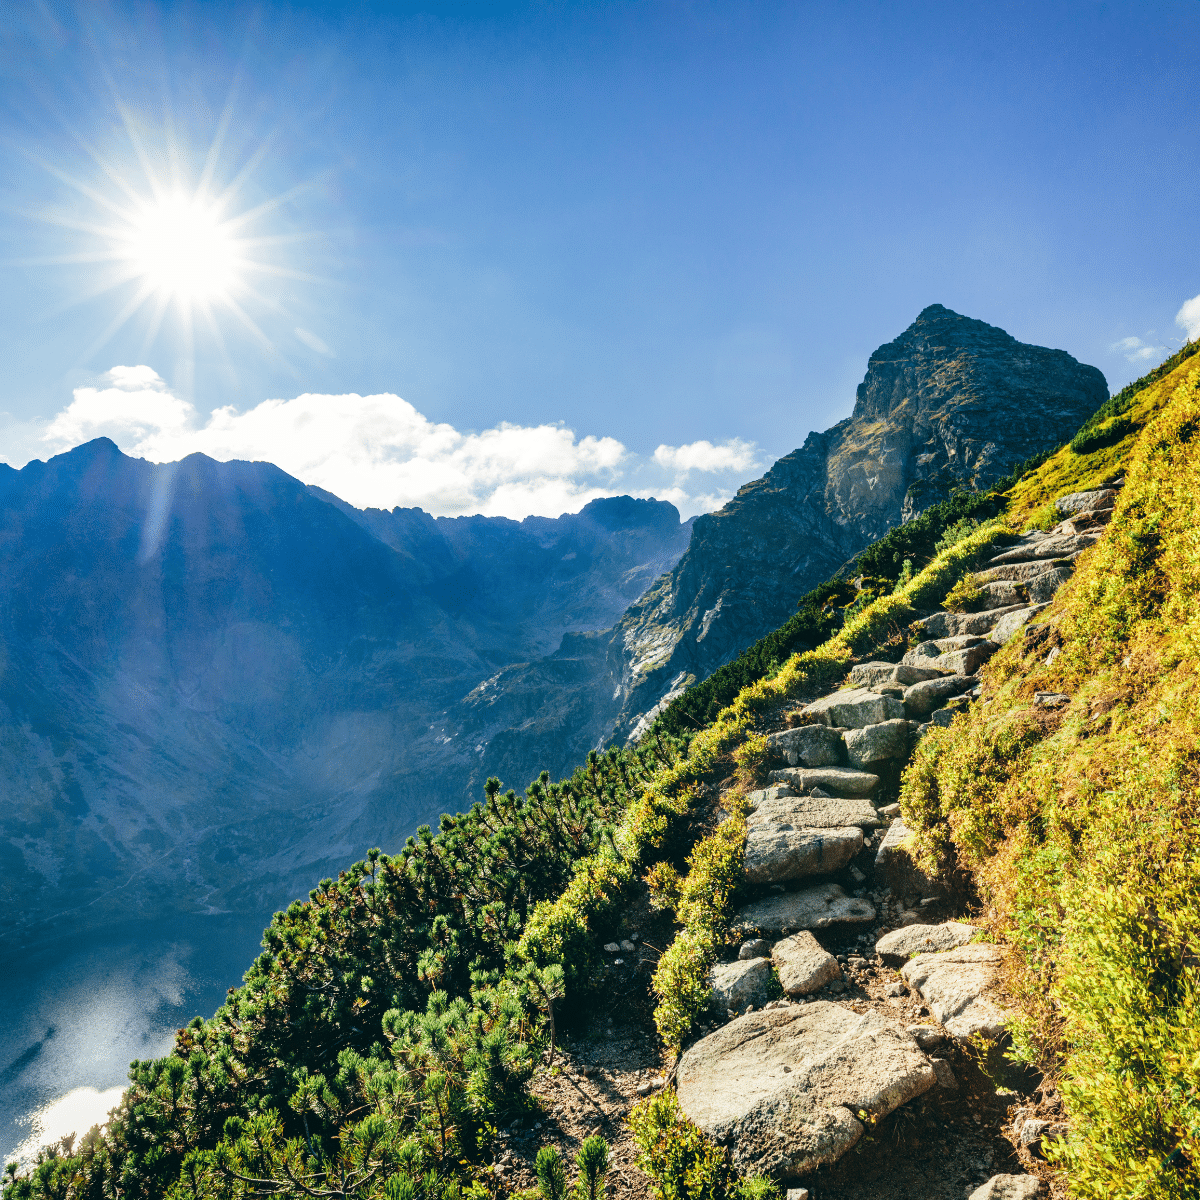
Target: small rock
x,y
612,948
628,946
945,1074
894,989
1050,699
755,948
1008,1187
644,1089
838,985
928,1037
736,984
618,962
797,1194
890,810
803,965
857,875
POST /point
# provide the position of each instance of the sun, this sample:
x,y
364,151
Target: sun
x,y
162,235
179,248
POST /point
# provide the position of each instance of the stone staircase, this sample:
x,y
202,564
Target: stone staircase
x,y
788,1084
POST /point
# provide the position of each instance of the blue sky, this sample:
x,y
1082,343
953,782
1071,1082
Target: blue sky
x,y
570,236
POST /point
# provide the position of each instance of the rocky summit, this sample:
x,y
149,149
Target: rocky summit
x,y
952,402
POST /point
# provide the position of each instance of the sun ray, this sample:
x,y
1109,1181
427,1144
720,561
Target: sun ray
x,y
132,305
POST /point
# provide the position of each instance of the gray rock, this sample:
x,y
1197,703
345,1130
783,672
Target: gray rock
x,y
897,947
1008,1187
928,1037
837,781
1012,621
968,660
755,948
922,698
854,708
813,908
1022,572
777,853
1086,501
941,625
896,867
809,745
945,1074
1055,547
736,984
797,1193
880,674
889,810
1032,1130
1043,587
943,717
922,655
781,1088
1002,593
811,811
954,985
803,964
876,743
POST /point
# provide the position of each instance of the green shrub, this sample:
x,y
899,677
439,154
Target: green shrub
x,y
1098,437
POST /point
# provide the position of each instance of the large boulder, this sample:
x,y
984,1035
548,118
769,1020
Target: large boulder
x,y
809,745
837,781
854,708
876,743
803,964
1002,593
955,987
967,660
783,1088
1021,572
780,805
735,985
896,865
922,698
777,853
1060,546
897,947
813,908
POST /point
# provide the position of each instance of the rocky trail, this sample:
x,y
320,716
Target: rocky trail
x,y
878,1074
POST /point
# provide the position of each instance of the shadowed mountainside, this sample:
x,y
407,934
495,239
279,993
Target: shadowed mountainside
x,y
216,683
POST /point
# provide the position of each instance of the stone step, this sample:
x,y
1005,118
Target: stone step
x,y
1056,547
878,743
952,656
1020,572
955,986
878,674
1013,620
837,781
854,708
812,908
897,947
810,745
1082,522
780,853
780,805
1086,501
945,624
923,698
784,1089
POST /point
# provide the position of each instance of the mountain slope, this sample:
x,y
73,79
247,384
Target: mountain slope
x,y
215,682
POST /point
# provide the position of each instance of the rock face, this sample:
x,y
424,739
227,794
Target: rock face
x,y
782,1087
952,401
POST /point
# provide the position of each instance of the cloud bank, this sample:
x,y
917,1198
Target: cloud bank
x,y
380,452
1188,317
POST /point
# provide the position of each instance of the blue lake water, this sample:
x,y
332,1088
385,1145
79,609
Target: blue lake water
x,y
76,1015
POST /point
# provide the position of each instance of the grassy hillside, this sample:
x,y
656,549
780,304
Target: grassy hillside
x,y
395,1018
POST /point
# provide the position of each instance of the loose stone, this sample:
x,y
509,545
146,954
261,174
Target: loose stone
x,y
803,964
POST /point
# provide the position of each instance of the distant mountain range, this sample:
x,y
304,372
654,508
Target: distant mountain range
x,y
218,684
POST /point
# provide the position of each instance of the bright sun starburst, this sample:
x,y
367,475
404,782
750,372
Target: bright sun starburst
x,y
180,247
173,244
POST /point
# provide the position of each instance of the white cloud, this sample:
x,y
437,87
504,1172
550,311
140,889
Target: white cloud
x,y
1188,317
1136,351
313,342
731,455
380,452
